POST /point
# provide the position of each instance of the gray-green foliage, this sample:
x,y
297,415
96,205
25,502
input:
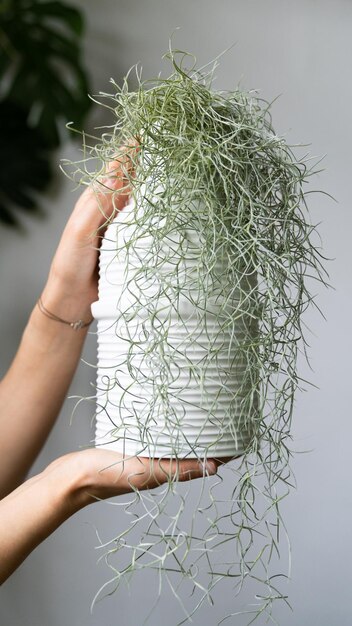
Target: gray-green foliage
x,y
225,173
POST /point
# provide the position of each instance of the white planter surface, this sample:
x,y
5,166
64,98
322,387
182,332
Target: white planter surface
x,y
204,403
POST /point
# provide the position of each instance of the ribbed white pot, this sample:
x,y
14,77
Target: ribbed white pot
x,y
202,415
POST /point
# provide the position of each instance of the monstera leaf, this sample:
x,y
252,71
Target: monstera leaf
x,y
41,59
43,85
24,164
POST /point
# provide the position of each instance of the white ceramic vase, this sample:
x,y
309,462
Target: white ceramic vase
x,y
202,414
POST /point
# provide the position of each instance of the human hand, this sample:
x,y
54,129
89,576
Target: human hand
x,y
70,483
73,279
96,474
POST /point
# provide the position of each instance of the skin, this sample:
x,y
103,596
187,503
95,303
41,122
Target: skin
x,y
48,355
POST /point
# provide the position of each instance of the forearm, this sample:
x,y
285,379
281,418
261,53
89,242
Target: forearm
x,y
33,511
33,390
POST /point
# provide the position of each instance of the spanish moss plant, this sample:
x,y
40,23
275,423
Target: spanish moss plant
x,y
209,162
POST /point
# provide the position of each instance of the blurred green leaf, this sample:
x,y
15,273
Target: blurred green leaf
x,y
72,17
24,163
43,85
41,43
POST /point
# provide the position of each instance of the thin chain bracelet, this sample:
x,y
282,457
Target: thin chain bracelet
x,y
75,325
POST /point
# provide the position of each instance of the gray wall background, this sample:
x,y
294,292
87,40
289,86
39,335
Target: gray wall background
x,y
302,50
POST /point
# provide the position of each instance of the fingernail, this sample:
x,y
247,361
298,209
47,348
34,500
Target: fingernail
x,y
209,467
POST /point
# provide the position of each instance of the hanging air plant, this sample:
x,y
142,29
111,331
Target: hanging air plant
x,y
203,283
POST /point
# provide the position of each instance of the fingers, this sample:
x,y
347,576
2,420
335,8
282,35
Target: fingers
x,y
106,195
111,191
111,474
196,469
117,178
165,470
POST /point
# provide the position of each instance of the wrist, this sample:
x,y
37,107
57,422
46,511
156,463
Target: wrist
x,y
68,300
70,473
44,336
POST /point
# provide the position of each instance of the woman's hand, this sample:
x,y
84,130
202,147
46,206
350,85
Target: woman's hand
x,y
36,508
73,279
104,474
49,351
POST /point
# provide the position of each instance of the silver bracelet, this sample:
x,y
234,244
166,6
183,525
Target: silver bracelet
x,y
75,325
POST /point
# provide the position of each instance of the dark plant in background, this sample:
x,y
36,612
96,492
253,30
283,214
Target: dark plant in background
x,y
43,85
